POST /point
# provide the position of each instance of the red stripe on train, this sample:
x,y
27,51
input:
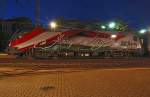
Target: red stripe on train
x,y
28,36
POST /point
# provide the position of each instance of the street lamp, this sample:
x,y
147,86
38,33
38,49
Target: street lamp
x,y
142,31
112,25
53,25
103,27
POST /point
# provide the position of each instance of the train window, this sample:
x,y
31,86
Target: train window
x,y
123,43
135,38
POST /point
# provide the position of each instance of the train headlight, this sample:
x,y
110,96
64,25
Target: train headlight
x,y
113,36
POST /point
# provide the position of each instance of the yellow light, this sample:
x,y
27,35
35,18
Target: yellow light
x,y
53,25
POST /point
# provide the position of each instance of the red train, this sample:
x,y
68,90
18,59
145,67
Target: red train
x,y
75,43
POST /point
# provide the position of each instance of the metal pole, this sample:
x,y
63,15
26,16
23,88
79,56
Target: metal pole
x,y
37,12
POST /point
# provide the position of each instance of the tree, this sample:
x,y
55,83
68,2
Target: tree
x,y
121,25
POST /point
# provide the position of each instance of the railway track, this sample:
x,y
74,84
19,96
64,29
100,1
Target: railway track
x,y
76,63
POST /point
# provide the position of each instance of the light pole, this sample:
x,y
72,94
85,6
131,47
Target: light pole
x,y
112,25
144,41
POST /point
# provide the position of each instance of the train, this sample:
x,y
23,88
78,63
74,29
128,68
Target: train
x,y
66,43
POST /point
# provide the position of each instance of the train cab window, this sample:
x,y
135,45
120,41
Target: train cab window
x,y
135,38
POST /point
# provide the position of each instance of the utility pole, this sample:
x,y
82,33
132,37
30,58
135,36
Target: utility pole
x,y
37,12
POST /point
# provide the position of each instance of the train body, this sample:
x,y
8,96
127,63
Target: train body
x,y
42,43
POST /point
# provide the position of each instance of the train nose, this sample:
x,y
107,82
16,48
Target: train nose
x,y
11,50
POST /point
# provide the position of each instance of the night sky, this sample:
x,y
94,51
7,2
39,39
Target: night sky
x,y
134,12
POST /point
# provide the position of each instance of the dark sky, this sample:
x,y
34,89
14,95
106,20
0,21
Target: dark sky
x,y
135,12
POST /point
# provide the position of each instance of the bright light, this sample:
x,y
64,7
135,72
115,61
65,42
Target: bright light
x,y
66,54
112,25
53,25
113,36
143,31
103,27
